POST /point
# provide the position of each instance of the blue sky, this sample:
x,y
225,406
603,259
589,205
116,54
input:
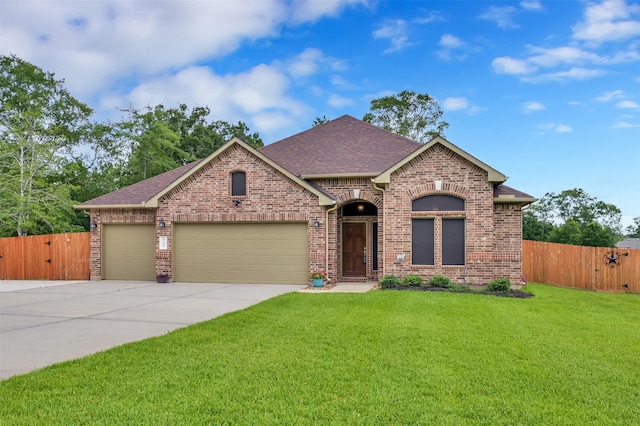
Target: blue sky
x,y
547,92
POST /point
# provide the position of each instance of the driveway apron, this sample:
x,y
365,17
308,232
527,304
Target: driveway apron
x,y
45,325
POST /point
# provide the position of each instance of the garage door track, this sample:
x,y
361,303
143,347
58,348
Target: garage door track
x,y
46,325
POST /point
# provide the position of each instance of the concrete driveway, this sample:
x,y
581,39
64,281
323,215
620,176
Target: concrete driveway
x,y
42,323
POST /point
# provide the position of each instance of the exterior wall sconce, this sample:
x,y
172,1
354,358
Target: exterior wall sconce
x,y
94,225
316,223
237,202
161,224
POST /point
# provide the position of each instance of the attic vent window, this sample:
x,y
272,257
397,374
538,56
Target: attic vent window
x,y
238,184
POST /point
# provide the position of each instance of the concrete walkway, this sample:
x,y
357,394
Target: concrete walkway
x,y
45,322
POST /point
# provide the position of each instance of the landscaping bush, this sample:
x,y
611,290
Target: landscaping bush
x,y
440,281
501,285
389,281
412,280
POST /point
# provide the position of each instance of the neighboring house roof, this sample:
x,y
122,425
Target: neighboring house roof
x,y
630,243
345,146
147,193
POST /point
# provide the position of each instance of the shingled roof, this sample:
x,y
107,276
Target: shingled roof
x,y
345,146
137,194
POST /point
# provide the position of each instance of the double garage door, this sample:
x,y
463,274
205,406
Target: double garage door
x,y
270,253
273,253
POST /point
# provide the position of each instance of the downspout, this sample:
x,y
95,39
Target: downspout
x,y
326,238
384,226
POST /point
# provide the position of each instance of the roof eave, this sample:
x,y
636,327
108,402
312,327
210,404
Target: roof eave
x,y
513,200
113,206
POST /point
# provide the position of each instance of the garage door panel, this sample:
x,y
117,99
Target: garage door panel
x,y
129,252
241,253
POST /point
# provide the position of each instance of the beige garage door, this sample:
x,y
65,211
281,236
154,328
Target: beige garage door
x,y
269,253
129,252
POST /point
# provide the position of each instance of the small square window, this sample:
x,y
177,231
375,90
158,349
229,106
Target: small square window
x,y
238,184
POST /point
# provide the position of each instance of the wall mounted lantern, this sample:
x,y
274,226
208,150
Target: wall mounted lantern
x,y
316,223
94,225
237,202
161,224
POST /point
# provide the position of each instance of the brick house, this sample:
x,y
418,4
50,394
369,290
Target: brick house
x,y
344,197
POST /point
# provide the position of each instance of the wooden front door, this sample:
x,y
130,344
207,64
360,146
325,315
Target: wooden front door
x,y
354,237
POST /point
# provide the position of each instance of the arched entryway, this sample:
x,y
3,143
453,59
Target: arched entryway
x,y
359,233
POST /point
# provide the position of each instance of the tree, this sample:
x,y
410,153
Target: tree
x,y
568,233
40,124
633,231
159,139
598,222
319,120
414,115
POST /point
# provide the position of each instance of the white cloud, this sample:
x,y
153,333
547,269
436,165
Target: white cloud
x,y
311,10
575,73
452,48
336,101
624,125
627,105
558,128
460,103
502,16
611,20
396,32
311,61
258,93
531,5
509,65
455,103
609,96
532,106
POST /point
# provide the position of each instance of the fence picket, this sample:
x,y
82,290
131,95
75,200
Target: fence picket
x,y
48,257
580,267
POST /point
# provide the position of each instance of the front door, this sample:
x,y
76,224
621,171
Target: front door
x,y
354,237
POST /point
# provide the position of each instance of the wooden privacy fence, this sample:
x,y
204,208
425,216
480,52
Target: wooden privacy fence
x,y
581,267
45,257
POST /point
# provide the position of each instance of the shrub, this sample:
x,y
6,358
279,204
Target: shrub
x,y
501,285
389,281
440,281
412,280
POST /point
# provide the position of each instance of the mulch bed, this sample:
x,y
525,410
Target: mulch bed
x,y
511,293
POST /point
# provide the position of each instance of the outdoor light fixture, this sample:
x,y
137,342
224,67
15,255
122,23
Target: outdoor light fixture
x,y
316,223
94,225
237,202
360,208
161,224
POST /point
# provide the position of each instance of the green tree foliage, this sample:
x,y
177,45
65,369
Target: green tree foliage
x,y
573,217
160,139
416,116
40,124
319,120
633,231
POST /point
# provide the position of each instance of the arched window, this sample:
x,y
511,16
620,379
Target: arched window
x,y
424,238
238,184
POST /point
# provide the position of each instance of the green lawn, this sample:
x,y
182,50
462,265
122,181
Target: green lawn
x,y
384,357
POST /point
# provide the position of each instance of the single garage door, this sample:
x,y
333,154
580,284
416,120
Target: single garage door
x,y
269,253
129,252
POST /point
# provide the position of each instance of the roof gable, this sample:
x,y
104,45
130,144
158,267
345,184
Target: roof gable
x,y
146,194
345,146
493,174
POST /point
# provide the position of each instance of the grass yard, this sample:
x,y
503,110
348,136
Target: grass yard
x,y
384,357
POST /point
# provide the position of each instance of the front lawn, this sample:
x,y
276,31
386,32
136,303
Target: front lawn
x,y
562,357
